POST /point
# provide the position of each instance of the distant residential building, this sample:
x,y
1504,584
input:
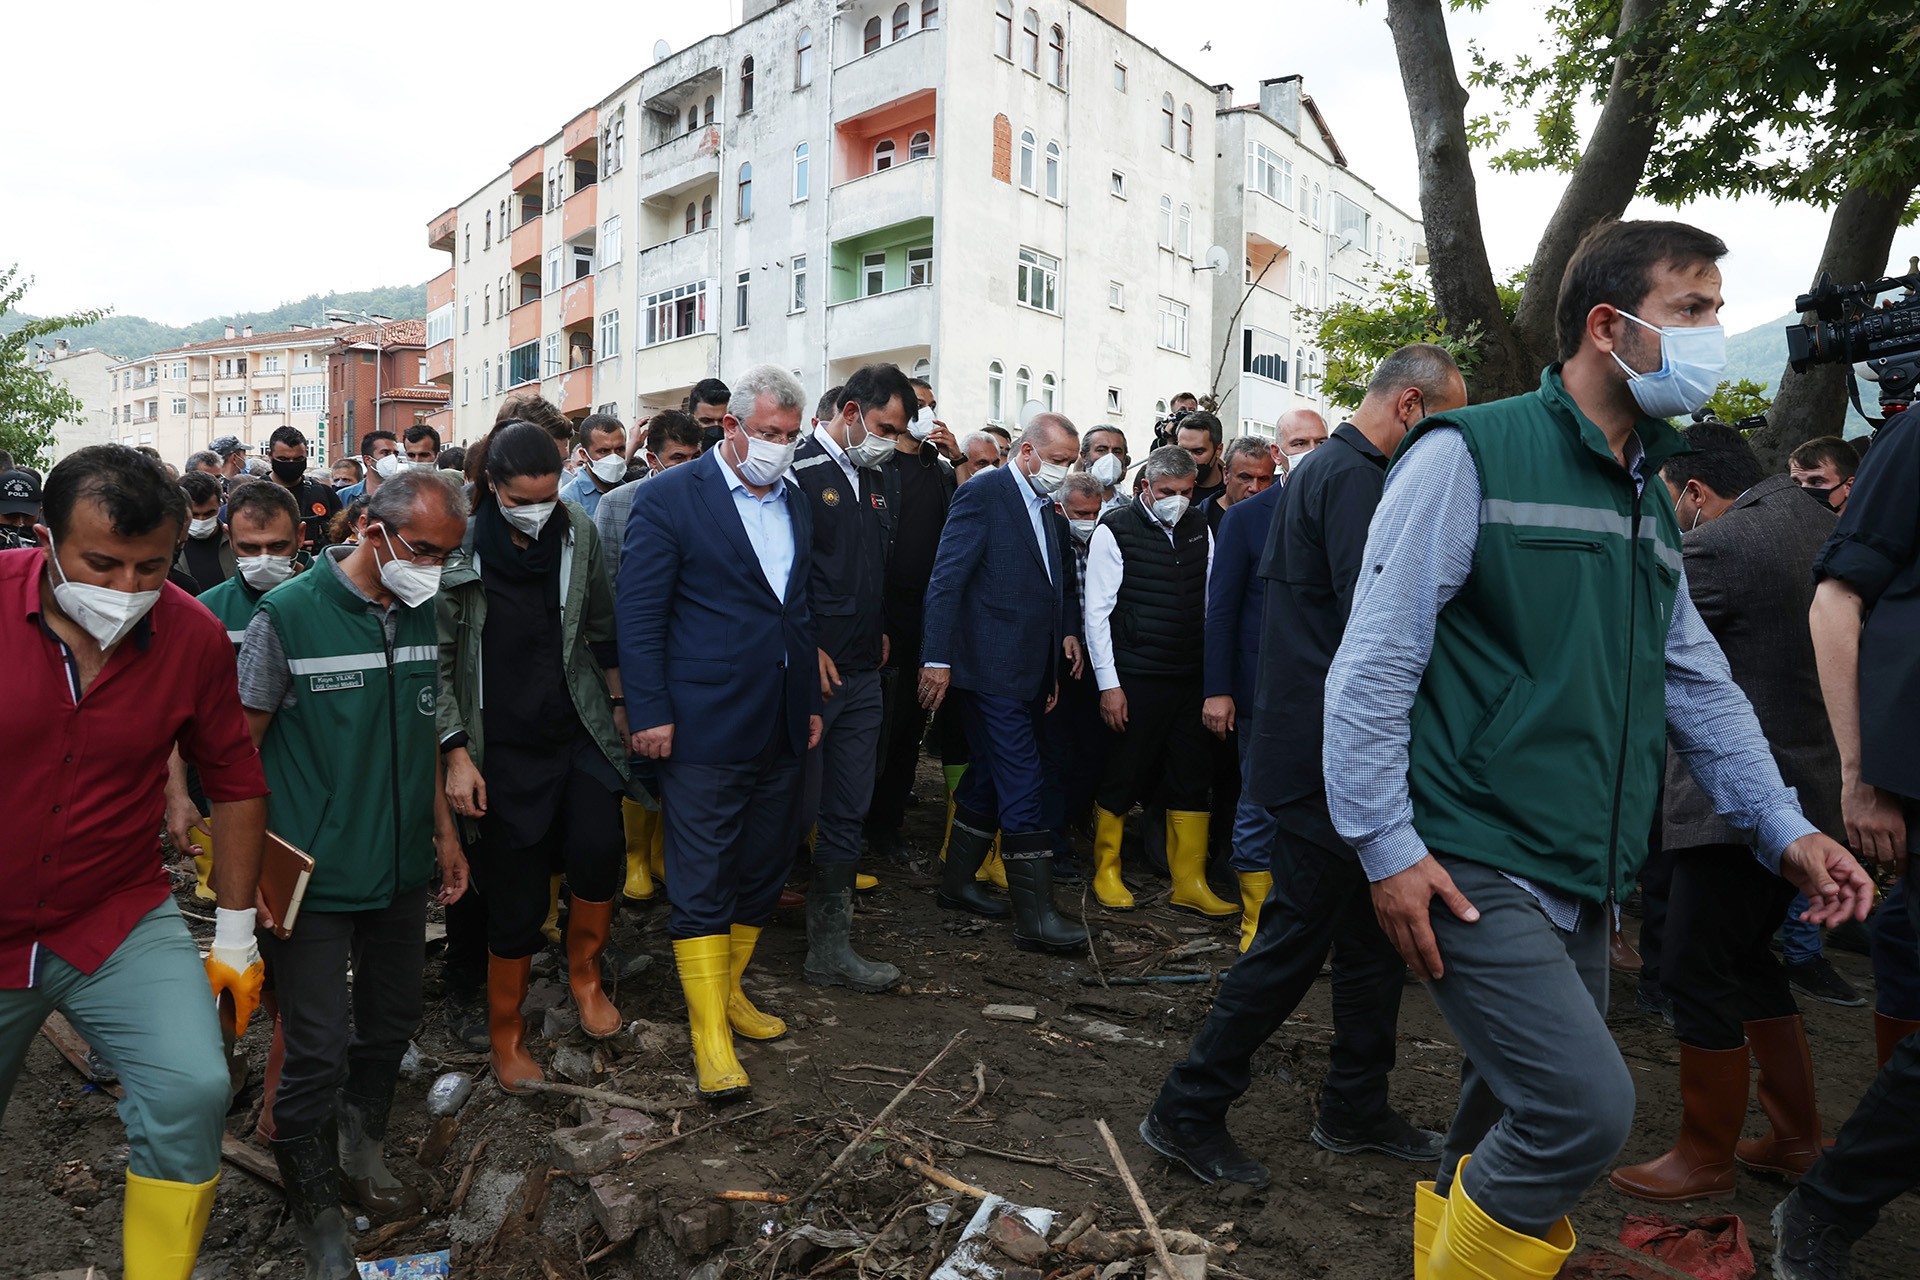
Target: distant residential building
x,y
377,381
87,373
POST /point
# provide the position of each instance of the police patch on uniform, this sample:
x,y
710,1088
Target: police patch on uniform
x,y
830,496
879,503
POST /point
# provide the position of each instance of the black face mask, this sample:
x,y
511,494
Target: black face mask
x,y
711,436
1823,496
289,470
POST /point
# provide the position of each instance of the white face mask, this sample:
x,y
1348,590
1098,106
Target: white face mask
x,y
102,612
1047,480
414,584
1692,360
264,573
1083,529
611,469
529,517
203,529
1168,510
922,425
766,461
872,449
1107,469
388,467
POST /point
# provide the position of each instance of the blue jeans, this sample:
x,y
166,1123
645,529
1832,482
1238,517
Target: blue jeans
x,y
1799,941
1256,828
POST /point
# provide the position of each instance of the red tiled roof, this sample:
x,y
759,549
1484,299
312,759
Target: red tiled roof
x,y
415,331
427,395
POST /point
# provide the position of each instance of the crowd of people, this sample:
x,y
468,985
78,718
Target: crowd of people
x,y
1418,688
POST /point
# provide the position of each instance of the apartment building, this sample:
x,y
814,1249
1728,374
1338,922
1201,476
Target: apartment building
x,y
377,381
242,384
1017,201
86,372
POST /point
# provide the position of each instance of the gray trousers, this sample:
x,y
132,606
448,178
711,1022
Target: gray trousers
x,y
1545,1100
840,771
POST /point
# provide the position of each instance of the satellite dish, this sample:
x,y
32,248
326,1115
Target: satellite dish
x,y
661,50
1029,409
1217,259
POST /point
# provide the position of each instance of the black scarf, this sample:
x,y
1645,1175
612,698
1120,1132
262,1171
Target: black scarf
x,y
540,559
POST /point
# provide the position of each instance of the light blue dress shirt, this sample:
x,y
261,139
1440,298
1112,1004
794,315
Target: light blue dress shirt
x,y
581,489
768,523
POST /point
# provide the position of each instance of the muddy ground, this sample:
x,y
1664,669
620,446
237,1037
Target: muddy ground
x,y
1090,1054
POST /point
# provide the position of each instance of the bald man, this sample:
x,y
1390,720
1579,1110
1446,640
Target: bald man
x,y
1298,433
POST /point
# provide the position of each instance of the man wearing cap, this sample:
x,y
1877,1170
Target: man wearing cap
x,y
232,455
19,509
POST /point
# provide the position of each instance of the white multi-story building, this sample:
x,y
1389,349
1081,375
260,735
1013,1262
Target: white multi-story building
x,y
243,384
86,372
1014,200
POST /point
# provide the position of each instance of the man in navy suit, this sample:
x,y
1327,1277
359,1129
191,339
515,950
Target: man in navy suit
x,y
997,631
713,618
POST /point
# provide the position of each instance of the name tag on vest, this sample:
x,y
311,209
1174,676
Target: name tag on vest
x,y
335,681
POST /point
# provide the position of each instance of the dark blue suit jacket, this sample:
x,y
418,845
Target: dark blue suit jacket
x,y
1234,596
992,613
704,643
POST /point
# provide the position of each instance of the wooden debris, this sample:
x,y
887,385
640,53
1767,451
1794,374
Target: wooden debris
x,y
372,1247
1010,1013
1139,1201
466,1177
433,1147
711,1124
754,1197
612,1099
1073,1230
938,1177
847,1151
979,1089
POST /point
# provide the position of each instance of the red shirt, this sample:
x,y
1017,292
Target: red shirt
x,y
83,787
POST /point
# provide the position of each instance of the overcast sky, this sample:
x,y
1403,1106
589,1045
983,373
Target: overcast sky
x,y
178,162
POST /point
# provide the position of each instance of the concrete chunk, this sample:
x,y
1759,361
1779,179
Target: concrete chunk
x,y
1010,1013
586,1149
619,1206
698,1227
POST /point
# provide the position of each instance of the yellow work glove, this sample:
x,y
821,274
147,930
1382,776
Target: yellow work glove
x,y
233,966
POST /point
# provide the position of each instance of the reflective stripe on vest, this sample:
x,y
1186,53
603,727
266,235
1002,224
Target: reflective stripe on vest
x,y
1556,515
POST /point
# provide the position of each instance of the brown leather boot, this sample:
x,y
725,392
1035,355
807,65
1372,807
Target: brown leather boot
x,y
587,926
1786,1095
1713,1093
506,992
1888,1032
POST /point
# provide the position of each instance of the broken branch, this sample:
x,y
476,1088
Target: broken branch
x,y
645,1105
847,1151
1139,1201
939,1178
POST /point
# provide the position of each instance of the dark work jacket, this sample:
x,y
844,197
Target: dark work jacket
x,y
1159,617
852,534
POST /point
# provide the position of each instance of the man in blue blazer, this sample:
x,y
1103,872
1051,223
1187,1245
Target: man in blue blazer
x,y
725,698
997,630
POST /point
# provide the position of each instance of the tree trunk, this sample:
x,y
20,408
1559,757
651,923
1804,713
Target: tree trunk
x,y
1449,202
1600,187
1814,403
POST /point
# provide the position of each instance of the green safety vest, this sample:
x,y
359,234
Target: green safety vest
x,y
352,762
1538,733
233,602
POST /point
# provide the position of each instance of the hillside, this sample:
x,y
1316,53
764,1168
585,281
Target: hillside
x,y
1760,354
133,336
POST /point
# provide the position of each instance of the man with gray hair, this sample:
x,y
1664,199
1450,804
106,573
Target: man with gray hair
x,y
1147,569
1248,464
980,451
712,608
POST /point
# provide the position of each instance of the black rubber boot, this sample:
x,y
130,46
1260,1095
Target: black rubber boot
x,y
1037,926
363,1104
831,959
312,1184
967,847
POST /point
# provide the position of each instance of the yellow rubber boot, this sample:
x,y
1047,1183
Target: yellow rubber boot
x,y
202,844
864,883
704,965
741,1015
1187,864
657,851
1428,1209
1254,886
552,926
639,822
1108,828
993,871
1468,1245
161,1226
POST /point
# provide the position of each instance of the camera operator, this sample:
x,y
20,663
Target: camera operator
x,y
1199,434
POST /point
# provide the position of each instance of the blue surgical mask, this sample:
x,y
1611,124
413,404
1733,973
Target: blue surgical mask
x,y
1692,361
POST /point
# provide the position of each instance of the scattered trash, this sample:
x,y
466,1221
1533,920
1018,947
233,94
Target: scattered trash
x,y
449,1093
975,1257
419,1266
1010,1013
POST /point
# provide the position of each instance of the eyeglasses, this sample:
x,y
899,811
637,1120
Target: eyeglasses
x,y
426,560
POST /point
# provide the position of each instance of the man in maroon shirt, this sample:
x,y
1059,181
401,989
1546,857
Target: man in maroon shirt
x,y
109,667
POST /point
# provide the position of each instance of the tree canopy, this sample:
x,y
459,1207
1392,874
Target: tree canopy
x,y
32,404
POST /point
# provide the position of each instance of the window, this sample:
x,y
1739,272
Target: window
x,y
1026,159
486,380
486,231
744,207
466,244
799,296
609,334
553,187
800,172
529,206
1117,185
1022,390
1314,205
1351,221
1039,282
610,241
1053,171
1030,42
582,261
523,364
919,265
1186,130
1113,400
1269,174
311,397
706,110
746,85
883,154
553,270
996,392
1263,354
268,364
1185,249
870,36
873,274
500,372
1048,385
1173,325
440,325
803,58
269,402
1166,120
613,152
1057,57
1116,295
740,284
920,145
1120,77
486,307
1166,222
179,405
229,406
1313,289
676,313
929,14
693,116
706,211
1003,31
550,362
901,17
466,384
